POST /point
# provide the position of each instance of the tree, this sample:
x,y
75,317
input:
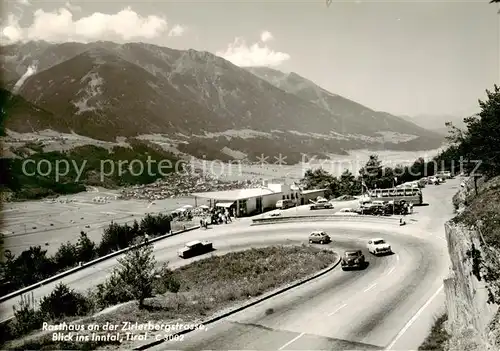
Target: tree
x,y
115,237
316,178
137,272
166,280
414,172
85,248
66,256
26,317
112,292
9,266
2,236
348,184
63,302
372,172
32,265
155,225
136,229
321,179
480,142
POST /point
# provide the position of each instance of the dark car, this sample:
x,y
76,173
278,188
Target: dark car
x,y
353,259
319,237
195,248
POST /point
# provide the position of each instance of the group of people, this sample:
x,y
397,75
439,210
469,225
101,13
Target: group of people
x,y
408,207
217,216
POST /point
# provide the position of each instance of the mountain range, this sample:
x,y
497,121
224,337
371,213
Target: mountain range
x,y
437,123
198,103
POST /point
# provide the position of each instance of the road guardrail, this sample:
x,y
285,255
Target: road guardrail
x,y
87,264
336,218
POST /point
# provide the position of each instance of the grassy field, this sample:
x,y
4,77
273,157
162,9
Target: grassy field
x,y
58,222
206,287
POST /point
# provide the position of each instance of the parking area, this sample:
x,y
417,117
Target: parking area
x,y
305,209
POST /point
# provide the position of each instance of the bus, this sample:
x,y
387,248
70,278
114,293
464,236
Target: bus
x,y
413,195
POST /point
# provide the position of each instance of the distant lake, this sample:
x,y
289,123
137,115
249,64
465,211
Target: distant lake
x,y
336,165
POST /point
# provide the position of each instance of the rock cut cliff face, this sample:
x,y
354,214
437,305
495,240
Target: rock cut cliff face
x,y
473,322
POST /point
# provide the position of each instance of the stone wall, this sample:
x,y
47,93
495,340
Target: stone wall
x,y
472,322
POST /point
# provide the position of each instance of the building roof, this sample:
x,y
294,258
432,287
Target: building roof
x,y
192,243
234,195
225,204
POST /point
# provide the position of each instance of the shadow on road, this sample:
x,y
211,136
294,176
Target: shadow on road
x,y
365,266
384,254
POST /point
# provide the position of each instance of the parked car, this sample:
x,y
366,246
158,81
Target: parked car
x,y
319,237
284,204
444,175
195,248
321,204
378,246
353,259
347,212
376,209
423,181
276,213
433,180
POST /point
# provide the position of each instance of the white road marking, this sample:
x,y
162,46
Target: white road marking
x,y
370,287
413,319
391,270
397,257
337,309
291,341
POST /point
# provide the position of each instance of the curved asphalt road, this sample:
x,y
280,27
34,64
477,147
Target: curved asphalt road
x,y
370,309
341,310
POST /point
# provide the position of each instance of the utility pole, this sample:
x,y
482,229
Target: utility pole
x,y
394,181
498,40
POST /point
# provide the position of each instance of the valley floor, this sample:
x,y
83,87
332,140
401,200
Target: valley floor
x,y
50,224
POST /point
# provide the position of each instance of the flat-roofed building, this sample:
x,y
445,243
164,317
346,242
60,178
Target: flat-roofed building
x,y
244,202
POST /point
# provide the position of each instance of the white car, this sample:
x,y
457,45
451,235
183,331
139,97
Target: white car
x,y
321,204
434,180
444,175
378,246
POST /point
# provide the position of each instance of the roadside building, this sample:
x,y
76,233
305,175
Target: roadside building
x,y
246,202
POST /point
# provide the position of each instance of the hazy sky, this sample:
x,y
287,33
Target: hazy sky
x,y
404,57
